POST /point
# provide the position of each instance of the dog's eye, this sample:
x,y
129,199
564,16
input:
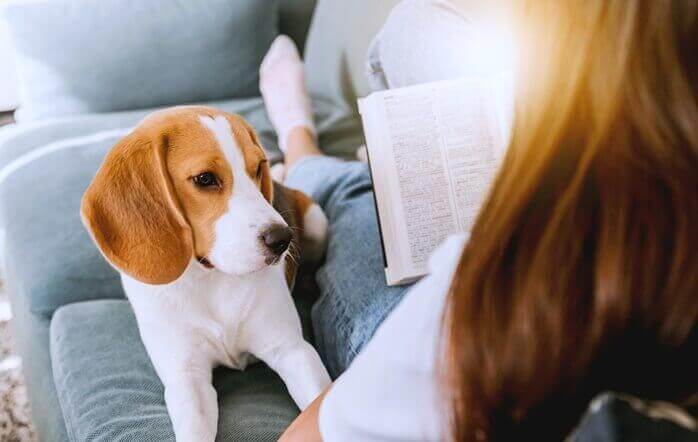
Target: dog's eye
x,y
206,179
260,168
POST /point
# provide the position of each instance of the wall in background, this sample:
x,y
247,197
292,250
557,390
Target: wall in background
x,y
8,77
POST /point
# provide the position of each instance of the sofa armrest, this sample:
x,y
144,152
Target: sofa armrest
x,y
47,253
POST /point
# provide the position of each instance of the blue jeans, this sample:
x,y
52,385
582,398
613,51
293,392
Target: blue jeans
x,y
354,298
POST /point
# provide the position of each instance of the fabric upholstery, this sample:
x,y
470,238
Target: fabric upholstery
x,y
31,334
19,139
77,57
335,54
109,390
294,19
54,258
337,45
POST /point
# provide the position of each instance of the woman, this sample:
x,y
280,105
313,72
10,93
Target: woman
x,y
581,272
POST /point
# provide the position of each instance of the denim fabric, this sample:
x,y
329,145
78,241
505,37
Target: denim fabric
x,y
354,298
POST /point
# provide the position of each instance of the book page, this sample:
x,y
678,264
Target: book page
x,y
443,138
413,128
470,139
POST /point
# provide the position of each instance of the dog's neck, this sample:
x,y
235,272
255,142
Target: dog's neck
x,y
197,278
197,273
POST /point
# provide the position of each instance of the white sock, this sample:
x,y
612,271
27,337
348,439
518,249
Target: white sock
x,y
282,82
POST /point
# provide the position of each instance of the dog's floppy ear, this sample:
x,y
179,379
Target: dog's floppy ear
x,y
133,215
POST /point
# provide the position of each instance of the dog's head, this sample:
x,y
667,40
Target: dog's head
x,y
187,183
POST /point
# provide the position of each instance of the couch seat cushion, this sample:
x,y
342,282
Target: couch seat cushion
x,y
109,391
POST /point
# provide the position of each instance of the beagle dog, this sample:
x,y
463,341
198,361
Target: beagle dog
x,y
207,245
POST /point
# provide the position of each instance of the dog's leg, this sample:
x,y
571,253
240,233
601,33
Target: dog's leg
x,y
193,407
183,362
282,346
301,369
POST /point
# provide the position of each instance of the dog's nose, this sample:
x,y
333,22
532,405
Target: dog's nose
x,y
277,238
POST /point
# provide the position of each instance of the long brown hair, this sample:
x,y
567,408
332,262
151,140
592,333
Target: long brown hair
x,y
581,274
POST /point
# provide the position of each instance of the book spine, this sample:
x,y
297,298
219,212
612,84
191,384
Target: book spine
x,y
363,103
375,205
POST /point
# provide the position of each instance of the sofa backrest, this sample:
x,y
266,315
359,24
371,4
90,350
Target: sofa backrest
x,y
64,70
335,62
337,45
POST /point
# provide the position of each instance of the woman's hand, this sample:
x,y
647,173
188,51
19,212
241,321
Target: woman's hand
x,y
306,427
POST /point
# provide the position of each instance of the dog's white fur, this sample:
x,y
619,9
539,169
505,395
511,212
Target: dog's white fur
x,y
237,249
230,315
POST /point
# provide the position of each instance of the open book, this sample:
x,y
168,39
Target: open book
x,y
433,150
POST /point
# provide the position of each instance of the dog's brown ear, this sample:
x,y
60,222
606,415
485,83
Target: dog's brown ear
x,y
131,211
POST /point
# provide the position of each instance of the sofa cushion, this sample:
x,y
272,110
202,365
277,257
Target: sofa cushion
x,y
53,259
77,56
294,19
108,389
30,336
335,53
16,140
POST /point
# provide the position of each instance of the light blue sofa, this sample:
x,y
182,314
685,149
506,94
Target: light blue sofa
x,y
87,373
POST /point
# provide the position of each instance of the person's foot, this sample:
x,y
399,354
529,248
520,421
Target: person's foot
x,y
282,83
